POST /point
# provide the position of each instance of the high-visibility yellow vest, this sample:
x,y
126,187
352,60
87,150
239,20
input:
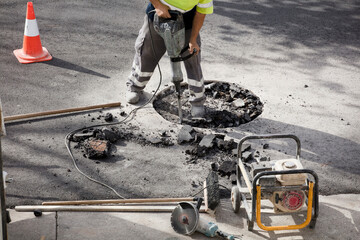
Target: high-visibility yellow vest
x,y
202,6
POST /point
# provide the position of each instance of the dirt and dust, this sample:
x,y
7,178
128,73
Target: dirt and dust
x,y
204,151
226,105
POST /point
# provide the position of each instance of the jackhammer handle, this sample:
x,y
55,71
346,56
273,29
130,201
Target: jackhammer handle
x,y
193,53
174,14
179,59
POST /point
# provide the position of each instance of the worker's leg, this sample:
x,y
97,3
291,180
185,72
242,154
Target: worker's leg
x,y
195,78
144,61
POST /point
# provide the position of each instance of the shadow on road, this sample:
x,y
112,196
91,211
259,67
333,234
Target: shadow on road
x,y
57,62
316,24
304,36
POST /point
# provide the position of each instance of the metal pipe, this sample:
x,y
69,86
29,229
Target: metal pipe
x,y
119,201
32,208
54,112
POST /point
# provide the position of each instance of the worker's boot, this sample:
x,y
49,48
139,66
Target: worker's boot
x,y
197,111
132,97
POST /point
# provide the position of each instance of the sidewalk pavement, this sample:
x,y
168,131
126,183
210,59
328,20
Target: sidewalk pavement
x,y
339,218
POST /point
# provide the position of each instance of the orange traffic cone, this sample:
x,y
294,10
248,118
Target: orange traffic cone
x,y
32,50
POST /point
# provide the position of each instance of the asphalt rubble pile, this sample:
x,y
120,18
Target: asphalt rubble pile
x,y
100,143
222,155
226,104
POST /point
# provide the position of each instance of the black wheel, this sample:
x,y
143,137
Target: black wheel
x,y
37,213
250,225
235,199
312,224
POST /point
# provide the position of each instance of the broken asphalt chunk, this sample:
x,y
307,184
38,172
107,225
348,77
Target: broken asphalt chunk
x,y
220,143
197,151
215,166
247,156
95,148
109,117
185,134
108,134
207,141
230,144
227,168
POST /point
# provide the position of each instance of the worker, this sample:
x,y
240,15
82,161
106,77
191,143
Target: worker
x,y
145,61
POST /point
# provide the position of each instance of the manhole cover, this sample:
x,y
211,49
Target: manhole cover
x,y
226,105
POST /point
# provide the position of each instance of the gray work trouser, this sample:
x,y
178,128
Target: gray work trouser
x,y
145,62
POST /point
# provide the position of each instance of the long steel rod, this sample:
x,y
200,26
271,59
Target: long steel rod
x,y
31,208
117,201
61,111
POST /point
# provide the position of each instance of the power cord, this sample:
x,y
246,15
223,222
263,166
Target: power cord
x,y
210,186
69,135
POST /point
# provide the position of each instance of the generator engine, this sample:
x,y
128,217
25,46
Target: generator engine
x,y
284,182
282,199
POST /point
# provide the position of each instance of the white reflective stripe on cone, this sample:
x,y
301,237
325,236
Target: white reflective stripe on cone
x,y
196,83
31,28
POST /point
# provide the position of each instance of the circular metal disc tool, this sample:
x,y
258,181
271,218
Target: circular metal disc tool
x,y
185,218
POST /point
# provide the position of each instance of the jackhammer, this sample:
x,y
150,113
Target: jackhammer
x,y
172,30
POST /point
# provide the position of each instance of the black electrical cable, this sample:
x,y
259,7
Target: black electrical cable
x,y
69,135
224,187
210,186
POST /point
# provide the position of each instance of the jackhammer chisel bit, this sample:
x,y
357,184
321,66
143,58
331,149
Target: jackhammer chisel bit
x,y
178,93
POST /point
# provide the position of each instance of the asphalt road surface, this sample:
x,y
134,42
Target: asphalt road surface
x,y
301,58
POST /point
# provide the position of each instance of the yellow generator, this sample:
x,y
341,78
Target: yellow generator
x,y
284,182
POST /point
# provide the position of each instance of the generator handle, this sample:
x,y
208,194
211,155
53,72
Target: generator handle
x,y
295,171
270,136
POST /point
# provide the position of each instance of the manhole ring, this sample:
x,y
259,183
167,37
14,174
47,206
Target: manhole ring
x,y
226,105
